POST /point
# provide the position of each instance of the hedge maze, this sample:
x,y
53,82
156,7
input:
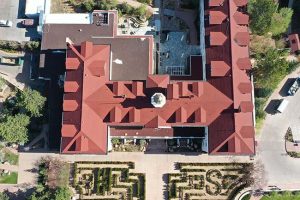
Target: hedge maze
x,y
108,180
206,181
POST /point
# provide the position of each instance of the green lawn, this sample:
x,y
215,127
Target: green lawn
x,y
247,197
10,157
10,179
282,196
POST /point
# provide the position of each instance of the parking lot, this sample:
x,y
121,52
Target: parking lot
x,y
13,10
281,169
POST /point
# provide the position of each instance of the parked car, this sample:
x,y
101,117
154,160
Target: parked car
x,y
282,106
6,23
28,22
293,89
11,61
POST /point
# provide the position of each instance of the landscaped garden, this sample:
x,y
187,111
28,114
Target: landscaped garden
x,y
129,145
108,180
8,157
268,47
208,180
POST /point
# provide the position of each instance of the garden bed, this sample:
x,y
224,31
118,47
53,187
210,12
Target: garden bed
x,y
108,180
206,180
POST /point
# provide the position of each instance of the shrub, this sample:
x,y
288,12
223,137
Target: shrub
x,y
88,5
263,92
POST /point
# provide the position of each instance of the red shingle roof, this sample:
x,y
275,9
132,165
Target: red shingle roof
x,y
219,68
157,81
68,130
245,87
217,38
181,115
294,42
71,86
240,3
215,3
246,106
72,63
244,63
216,17
242,38
138,88
197,89
241,19
118,88
70,105
200,115
195,103
134,115
173,91
115,115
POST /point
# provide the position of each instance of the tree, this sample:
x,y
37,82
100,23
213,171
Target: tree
x,y
261,44
32,45
261,13
32,101
281,21
115,141
88,5
254,175
125,8
141,11
271,68
62,193
3,196
14,129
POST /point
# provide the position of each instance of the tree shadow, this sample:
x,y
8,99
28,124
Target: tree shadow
x,y
19,194
165,186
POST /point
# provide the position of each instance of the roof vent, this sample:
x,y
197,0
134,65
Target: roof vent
x,y
158,100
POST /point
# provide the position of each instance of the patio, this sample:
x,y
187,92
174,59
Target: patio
x,y
175,53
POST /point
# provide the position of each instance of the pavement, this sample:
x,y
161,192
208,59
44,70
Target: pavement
x,y
281,170
154,165
14,10
19,76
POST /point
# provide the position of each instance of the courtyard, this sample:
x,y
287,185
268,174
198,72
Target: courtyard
x,y
154,166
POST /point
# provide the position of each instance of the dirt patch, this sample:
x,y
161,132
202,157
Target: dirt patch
x,y
61,6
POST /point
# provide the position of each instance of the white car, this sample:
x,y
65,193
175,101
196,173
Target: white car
x,y
6,23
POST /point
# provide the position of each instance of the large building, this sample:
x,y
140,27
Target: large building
x,y
112,89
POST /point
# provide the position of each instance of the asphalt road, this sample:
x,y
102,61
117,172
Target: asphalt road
x,y
13,10
281,169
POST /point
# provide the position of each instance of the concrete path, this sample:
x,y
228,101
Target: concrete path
x,y
13,168
282,170
154,165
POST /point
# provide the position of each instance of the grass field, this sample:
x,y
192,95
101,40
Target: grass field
x,y
10,157
10,179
